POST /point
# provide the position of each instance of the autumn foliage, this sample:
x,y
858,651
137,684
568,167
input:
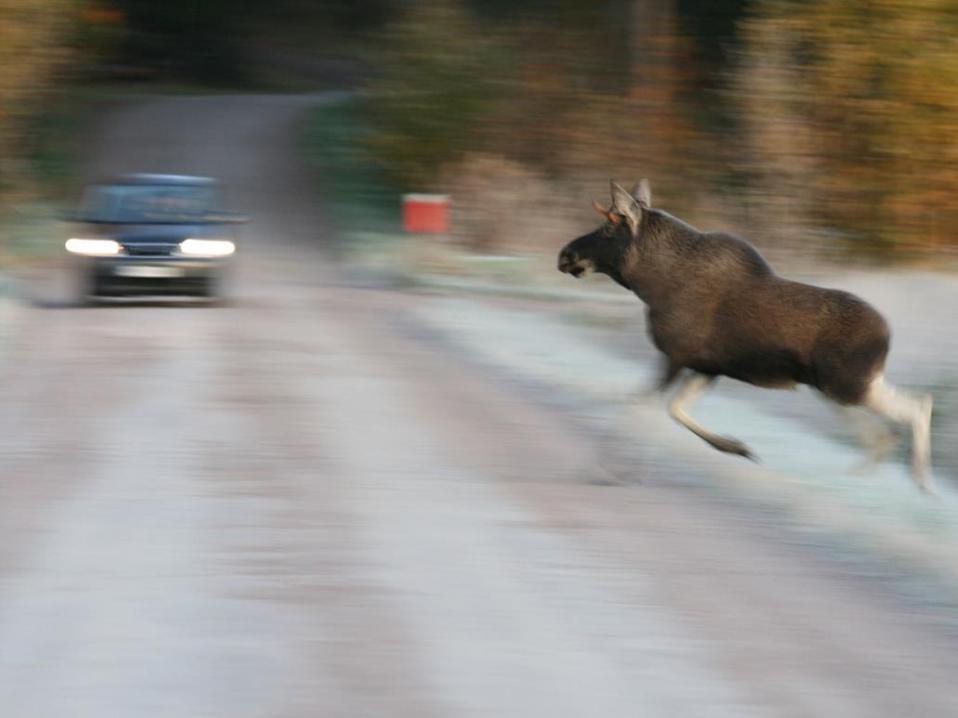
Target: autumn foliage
x,y
34,47
515,114
850,117
833,123
801,123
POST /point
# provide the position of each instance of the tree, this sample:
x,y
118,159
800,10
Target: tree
x,y
33,47
851,112
440,77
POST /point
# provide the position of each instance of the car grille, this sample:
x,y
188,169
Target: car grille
x,y
149,249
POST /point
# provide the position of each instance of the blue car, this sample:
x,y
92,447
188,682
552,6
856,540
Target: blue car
x,y
153,235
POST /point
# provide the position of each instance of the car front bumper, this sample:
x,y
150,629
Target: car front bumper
x,y
144,276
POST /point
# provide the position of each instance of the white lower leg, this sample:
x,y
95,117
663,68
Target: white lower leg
x,y
690,389
874,433
901,408
921,438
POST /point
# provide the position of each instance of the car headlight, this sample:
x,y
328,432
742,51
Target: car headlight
x,y
207,247
93,247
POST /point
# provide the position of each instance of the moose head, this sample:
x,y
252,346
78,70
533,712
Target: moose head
x,y
601,251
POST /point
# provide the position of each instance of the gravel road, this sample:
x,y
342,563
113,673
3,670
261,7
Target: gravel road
x,y
302,504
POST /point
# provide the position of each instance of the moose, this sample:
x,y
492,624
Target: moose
x,y
716,308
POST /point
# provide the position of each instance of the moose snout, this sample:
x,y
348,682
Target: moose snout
x,y
571,263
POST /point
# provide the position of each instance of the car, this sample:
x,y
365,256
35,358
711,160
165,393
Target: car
x,y
146,235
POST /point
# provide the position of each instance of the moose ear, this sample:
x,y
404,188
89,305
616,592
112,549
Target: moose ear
x,y
626,205
642,192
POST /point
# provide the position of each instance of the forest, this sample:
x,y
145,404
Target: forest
x,y
826,123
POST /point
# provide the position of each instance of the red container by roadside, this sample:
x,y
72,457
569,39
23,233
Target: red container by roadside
x,y
425,213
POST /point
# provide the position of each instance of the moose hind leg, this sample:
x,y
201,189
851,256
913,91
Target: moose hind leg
x,y
690,389
901,408
669,373
878,439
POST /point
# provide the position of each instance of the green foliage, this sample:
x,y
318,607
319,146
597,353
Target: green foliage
x,y
558,87
440,78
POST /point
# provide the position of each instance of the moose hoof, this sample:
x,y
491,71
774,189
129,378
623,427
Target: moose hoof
x,y
922,480
923,484
734,446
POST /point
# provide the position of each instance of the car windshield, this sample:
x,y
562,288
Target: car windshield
x,y
148,203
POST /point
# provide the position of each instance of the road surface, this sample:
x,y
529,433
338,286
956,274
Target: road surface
x,y
303,504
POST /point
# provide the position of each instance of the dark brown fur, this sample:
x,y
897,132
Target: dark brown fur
x,y
715,306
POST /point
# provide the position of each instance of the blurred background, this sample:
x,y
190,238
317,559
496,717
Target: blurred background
x,y
824,127
409,468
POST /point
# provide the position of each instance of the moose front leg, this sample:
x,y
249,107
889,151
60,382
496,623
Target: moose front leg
x,y
667,375
670,372
690,389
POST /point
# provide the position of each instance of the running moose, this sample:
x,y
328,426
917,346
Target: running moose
x,y
716,308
